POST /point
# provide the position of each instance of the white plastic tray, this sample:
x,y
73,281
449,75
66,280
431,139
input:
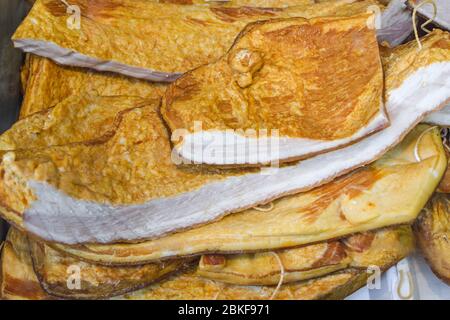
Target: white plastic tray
x,y
424,284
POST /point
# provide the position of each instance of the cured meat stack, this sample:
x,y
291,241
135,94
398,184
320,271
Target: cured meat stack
x,y
239,150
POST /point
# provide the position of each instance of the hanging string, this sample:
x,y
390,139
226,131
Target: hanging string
x,y
265,208
416,147
400,284
414,18
216,296
280,282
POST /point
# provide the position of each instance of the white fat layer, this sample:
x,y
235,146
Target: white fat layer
x,y
395,27
55,216
439,118
229,147
72,58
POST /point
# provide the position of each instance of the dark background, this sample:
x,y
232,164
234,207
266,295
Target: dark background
x,y
11,14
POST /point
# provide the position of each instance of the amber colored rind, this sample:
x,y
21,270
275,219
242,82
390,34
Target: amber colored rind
x,y
193,35
394,181
281,74
48,84
432,230
378,248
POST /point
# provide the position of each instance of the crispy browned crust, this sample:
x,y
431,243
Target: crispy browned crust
x,y
17,278
226,235
76,251
191,287
432,52
97,282
25,284
398,64
185,27
20,287
25,73
381,248
17,217
432,230
48,84
444,185
185,285
2,245
356,282
122,124
85,118
240,3
268,53
236,3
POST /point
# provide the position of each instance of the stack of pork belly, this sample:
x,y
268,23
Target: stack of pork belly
x,y
237,150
